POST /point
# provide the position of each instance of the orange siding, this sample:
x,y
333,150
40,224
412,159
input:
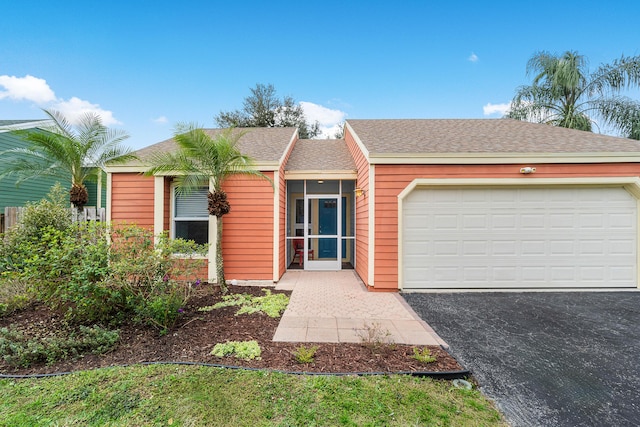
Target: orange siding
x,y
392,179
132,199
362,209
247,242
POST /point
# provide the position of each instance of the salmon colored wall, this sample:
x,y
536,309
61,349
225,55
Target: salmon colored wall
x,y
247,240
132,199
362,208
392,179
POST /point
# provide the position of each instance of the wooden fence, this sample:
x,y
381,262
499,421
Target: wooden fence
x,y
13,215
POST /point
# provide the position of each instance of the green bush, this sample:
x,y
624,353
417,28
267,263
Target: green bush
x,y
19,350
151,276
94,274
70,272
52,212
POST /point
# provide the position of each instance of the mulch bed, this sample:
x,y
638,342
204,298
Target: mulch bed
x,y
196,333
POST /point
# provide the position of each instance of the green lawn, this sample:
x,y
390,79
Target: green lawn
x,y
203,396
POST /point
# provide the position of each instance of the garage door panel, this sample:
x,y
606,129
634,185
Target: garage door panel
x,y
519,237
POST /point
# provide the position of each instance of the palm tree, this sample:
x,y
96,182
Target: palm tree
x,y
64,151
202,159
564,94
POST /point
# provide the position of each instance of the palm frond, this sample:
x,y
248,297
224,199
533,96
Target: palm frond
x,y
620,112
610,79
66,151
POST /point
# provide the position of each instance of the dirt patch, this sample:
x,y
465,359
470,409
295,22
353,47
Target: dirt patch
x,y
197,332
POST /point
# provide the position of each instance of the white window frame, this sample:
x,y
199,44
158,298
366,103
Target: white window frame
x,y
175,219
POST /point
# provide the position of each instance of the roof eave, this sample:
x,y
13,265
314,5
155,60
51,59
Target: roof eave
x,y
27,125
138,167
320,174
501,158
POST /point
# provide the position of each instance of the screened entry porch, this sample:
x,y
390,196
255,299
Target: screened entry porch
x,y
320,224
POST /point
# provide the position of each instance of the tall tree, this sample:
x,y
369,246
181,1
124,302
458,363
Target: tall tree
x,y
263,108
65,151
201,159
563,93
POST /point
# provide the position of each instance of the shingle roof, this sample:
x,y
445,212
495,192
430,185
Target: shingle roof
x,y
263,145
320,155
415,136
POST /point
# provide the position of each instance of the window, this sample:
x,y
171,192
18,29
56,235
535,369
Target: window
x,y
191,215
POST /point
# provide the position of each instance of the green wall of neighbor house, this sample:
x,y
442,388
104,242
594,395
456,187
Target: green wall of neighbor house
x,y
33,190
30,190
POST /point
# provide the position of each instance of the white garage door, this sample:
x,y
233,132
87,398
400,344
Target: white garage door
x,y
466,238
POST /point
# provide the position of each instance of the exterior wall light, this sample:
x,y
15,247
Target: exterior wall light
x,y
527,170
359,192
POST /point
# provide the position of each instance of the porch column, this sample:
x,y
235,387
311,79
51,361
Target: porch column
x,y
158,206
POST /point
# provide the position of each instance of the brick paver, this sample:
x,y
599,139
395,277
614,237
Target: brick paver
x,y
334,306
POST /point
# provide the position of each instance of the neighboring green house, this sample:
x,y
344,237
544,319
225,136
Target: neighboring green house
x,y
35,189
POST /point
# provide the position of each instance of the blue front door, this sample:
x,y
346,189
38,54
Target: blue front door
x,y
328,226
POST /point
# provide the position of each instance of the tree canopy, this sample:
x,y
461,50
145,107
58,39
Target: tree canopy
x,y
263,108
66,151
563,93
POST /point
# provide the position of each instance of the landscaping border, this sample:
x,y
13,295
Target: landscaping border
x,y
444,375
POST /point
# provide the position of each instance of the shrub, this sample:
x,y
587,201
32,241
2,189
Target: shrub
x,y
304,354
245,350
51,212
19,350
424,355
151,276
70,272
374,336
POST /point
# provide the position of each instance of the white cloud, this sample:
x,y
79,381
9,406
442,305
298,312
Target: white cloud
x,y
328,119
491,109
161,120
36,90
27,88
75,108
473,57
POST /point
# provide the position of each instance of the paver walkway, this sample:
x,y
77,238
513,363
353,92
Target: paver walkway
x,y
334,306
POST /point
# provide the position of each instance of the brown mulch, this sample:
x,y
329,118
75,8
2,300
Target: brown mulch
x,y
196,333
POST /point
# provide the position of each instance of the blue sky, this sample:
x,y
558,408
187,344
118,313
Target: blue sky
x,y
147,65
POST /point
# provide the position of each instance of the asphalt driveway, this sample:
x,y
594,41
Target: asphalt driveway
x,y
546,359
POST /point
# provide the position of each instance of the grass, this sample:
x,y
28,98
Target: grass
x,y
163,395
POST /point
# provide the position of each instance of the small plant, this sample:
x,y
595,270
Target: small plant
x,y
273,305
423,355
17,349
245,350
14,294
374,336
305,355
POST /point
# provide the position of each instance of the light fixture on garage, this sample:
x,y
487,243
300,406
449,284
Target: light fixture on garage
x,y
527,170
359,192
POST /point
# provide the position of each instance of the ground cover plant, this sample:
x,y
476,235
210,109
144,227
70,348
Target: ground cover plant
x,y
170,395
